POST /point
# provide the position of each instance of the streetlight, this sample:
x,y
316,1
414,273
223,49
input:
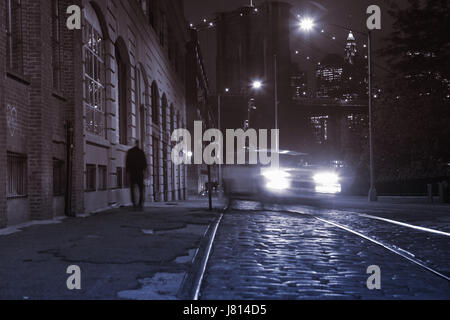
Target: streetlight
x,y
307,24
257,84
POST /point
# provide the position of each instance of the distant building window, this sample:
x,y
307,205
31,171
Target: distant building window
x,y
320,126
58,177
102,178
94,81
91,177
16,182
56,45
119,174
14,41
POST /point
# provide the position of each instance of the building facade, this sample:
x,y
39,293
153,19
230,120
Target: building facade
x,y
74,101
198,109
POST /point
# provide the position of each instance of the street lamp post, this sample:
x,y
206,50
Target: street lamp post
x,y
276,90
372,190
276,99
221,147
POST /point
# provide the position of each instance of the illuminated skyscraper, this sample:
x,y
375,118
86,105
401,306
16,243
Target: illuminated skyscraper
x,y
350,49
329,77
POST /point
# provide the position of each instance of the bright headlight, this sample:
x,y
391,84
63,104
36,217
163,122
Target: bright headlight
x,y
277,179
326,178
327,182
275,173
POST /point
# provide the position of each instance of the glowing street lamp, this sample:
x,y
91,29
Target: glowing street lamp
x,y
306,24
257,84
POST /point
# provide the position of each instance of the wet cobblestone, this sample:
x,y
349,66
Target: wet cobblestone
x,y
273,255
429,248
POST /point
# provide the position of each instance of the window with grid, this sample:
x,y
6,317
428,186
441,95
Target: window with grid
x,y
58,177
94,80
102,178
56,45
14,40
16,182
91,177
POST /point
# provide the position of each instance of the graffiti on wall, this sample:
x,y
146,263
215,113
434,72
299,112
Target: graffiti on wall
x,y
11,120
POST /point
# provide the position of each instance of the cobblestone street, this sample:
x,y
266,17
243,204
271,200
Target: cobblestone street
x,y
280,255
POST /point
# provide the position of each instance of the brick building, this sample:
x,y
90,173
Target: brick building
x,y
74,101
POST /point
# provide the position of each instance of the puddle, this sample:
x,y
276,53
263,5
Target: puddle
x,y
163,286
187,259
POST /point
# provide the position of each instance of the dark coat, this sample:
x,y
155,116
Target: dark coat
x,y
136,162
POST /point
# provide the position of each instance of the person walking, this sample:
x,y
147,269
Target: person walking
x,y
136,164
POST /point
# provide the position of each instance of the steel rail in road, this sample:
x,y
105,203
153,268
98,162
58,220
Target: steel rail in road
x,y
397,251
205,259
403,224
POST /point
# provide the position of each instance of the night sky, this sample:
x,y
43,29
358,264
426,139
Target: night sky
x,y
348,13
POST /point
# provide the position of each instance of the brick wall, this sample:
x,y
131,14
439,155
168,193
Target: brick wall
x,y
39,135
43,112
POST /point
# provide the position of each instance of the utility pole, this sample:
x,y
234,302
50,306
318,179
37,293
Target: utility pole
x,y
276,96
372,191
209,188
219,97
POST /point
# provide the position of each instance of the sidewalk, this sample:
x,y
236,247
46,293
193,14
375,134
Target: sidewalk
x,y
122,254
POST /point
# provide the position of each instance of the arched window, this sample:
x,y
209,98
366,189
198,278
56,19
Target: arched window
x,y
172,119
94,73
123,84
155,103
164,110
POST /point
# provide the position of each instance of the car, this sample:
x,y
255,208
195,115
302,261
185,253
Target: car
x,y
292,179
